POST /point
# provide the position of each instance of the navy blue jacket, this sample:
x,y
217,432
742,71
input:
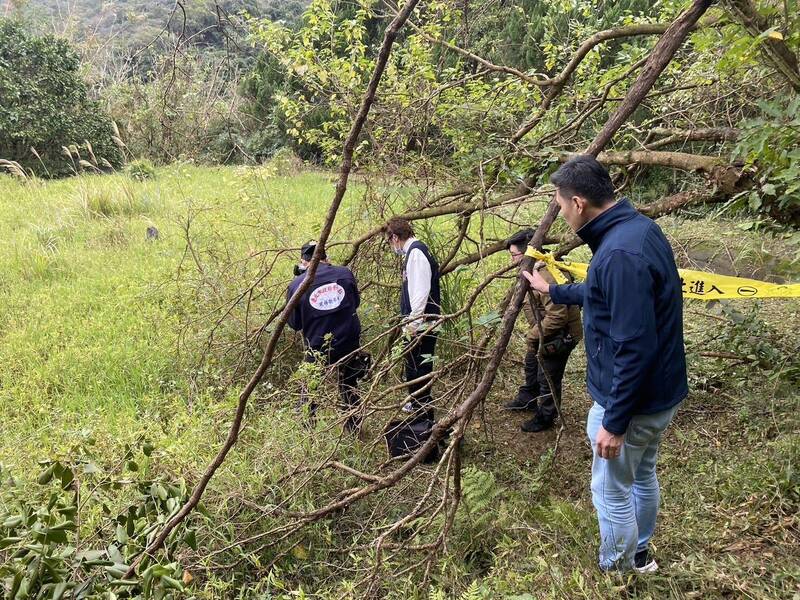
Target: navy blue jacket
x,y
328,308
632,317
434,304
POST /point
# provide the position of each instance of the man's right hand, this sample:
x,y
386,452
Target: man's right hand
x,y
537,282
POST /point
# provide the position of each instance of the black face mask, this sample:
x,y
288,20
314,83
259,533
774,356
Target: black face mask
x,y
298,270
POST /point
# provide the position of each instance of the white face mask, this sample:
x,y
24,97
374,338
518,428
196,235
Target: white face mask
x,y
399,251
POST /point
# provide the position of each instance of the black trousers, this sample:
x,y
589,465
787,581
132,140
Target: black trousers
x,y
346,377
536,384
419,362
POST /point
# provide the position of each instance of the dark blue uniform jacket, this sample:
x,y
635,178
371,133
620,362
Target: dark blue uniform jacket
x,y
328,308
632,317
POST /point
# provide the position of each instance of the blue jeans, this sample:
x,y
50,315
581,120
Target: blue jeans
x,y
625,489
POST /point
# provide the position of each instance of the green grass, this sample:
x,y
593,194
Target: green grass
x,y
102,332
89,317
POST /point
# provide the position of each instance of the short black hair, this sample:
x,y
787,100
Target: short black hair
x,y
307,251
520,239
584,176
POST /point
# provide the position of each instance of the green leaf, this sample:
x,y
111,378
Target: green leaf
x,y
170,583
147,578
130,522
12,522
65,526
488,319
90,555
23,591
191,539
59,589
55,536
68,512
121,535
9,541
114,554
47,475
158,491
67,477
117,570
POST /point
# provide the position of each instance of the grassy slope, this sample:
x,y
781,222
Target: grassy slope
x,y
89,321
89,327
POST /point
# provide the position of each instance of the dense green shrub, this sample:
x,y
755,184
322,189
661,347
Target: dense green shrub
x,y
44,105
141,169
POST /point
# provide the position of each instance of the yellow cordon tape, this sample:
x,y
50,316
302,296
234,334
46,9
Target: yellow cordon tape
x,y
696,284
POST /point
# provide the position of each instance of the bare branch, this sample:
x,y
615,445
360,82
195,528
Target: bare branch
x,y
706,134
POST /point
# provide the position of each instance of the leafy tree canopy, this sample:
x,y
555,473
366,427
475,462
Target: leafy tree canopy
x,y
45,109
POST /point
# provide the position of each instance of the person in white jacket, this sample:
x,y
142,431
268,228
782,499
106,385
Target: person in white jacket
x,y
420,304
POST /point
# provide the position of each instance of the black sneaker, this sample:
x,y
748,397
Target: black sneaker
x,y
521,403
536,424
643,563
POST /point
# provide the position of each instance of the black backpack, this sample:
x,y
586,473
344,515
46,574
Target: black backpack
x,y
404,438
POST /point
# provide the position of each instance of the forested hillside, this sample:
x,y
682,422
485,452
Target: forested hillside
x,y
124,25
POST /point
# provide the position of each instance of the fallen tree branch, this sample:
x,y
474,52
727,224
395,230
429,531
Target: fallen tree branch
x,y
465,207
654,210
463,228
670,204
719,174
662,54
681,136
489,66
674,160
562,78
484,251
594,105
715,168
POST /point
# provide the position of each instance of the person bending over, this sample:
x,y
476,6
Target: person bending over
x,y
328,319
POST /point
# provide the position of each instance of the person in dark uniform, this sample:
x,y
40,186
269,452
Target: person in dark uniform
x,y
561,332
420,304
327,317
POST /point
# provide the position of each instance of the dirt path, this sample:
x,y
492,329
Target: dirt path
x,y
502,428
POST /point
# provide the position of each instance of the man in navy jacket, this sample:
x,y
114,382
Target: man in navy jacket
x,y
636,365
328,319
